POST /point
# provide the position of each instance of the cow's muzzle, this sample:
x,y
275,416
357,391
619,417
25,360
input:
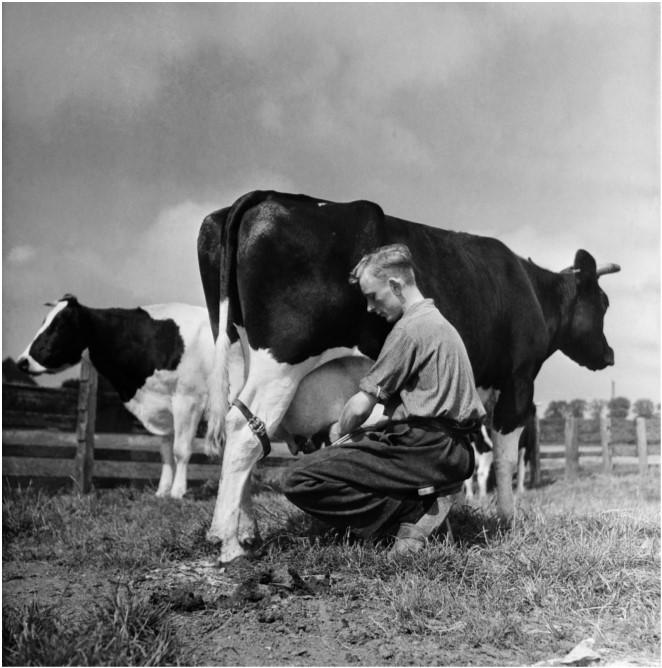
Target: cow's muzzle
x,y
28,365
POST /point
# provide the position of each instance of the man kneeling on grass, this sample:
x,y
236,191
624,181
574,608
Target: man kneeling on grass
x,y
398,477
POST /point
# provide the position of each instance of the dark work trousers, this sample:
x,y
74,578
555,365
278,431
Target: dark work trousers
x,y
380,478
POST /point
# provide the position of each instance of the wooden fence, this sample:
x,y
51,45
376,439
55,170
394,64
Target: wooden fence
x,y
85,437
607,442
53,437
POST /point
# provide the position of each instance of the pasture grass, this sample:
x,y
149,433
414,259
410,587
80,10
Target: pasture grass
x,y
120,631
122,528
582,559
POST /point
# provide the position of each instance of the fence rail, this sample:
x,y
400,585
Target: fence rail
x,y
61,442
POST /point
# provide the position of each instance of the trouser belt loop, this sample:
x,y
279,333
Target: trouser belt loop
x,y
256,426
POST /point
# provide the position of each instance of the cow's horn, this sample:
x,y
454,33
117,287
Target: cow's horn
x,y
610,268
570,270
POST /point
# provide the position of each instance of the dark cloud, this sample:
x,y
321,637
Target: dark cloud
x,y
124,123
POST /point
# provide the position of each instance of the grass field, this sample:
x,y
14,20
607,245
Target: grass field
x,y
122,578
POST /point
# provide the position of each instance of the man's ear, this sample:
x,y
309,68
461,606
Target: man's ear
x,y
396,285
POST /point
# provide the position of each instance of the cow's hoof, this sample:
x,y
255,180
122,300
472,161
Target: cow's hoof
x,y
213,539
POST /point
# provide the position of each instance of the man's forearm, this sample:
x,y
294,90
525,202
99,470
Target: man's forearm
x,y
355,412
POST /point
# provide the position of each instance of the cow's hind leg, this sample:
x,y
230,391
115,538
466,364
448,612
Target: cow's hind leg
x,y
267,394
186,416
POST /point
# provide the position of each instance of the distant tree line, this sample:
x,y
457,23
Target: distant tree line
x,y
618,407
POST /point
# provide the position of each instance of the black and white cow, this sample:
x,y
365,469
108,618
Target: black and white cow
x,y
157,357
284,301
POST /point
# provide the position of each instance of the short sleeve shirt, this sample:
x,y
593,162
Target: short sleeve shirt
x,y
423,369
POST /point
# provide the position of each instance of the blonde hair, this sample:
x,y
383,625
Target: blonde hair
x,y
387,261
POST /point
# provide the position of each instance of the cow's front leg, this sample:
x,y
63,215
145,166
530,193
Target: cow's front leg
x,y
242,450
186,416
485,460
167,466
505,461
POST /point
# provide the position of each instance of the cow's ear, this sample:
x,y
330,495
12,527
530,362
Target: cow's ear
x,y
584,266
68,297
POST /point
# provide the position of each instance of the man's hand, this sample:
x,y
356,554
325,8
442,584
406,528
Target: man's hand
x,y
355,412
334,432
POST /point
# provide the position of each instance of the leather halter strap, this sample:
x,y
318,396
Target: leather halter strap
x,y
256,426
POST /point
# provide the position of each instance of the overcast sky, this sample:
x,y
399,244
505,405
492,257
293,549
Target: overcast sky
x,y
123,125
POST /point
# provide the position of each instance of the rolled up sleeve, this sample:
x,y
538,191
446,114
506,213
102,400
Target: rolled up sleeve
x,y
393,367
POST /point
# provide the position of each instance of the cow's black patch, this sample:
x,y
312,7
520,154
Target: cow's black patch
x,y
127,346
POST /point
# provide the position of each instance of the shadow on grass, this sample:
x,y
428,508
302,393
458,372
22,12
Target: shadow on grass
x,y
474,526
287,530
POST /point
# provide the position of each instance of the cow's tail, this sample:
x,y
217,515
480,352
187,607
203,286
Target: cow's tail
x,y
229,316
219,387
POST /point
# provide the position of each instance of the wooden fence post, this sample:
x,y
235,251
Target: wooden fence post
x,y
642,446
535,455
571,448
87,411
605,438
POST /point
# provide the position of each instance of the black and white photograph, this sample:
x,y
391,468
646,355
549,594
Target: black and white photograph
x,y
331,334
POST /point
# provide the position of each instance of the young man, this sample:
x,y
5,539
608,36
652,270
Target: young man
x,y
398,477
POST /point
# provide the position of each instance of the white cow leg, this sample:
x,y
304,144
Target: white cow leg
x,y
505,461
267,393
186,416
247,531
483,473
167,467
242,450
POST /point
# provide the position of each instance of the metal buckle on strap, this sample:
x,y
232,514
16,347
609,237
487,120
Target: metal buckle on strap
x,y
256,426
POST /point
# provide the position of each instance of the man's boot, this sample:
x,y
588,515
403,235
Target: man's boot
x,y
412,538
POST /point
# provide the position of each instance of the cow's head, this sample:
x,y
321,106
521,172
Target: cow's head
x,y
59,342
583,340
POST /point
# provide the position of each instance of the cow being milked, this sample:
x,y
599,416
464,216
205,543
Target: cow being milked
x,y
284,300
158,358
